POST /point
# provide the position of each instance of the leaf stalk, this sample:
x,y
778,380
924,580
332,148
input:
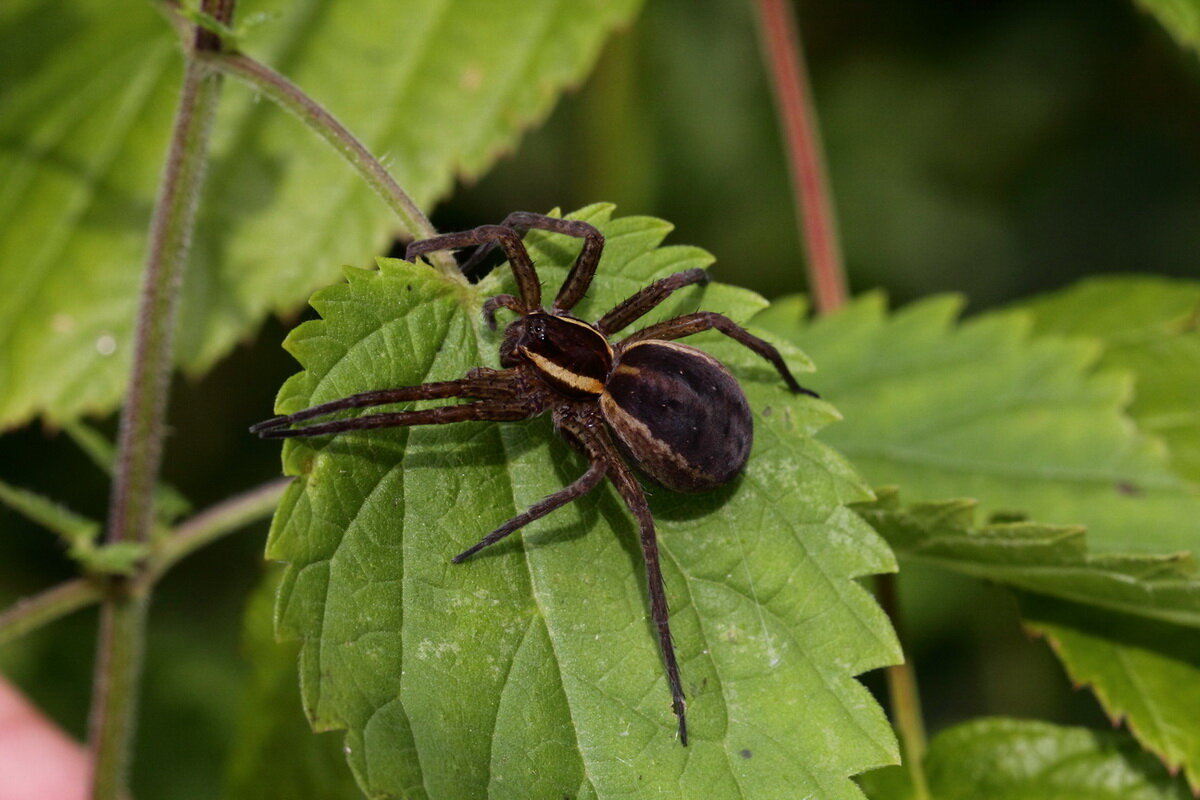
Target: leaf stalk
x,y
902,691
34,612
270,83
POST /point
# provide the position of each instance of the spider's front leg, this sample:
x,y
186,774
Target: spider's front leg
x,y
498,390
580,277
490,235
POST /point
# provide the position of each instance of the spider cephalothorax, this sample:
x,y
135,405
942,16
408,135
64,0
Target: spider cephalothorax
x,y
675,411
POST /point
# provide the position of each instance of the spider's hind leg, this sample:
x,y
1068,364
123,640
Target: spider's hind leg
x,y
568,494
645,300
688,324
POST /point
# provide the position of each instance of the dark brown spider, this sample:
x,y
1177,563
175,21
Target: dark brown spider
x,y
676,411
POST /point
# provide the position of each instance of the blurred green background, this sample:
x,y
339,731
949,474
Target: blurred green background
x,y
997,149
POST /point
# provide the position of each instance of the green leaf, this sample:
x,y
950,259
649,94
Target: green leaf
x,y
111,558
274,752
1180,17
532,670
1149,327
439,89
984,409
1009,759
1145,672
1048,559
74,528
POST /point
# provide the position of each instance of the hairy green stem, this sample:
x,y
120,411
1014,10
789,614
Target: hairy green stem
x,y
139,445
114,691
264,79
905,699
31,613
810,183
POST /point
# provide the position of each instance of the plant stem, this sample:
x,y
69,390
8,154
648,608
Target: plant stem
x,y
114,691
810,183
213,523
905,700
230,515
31,613
266,80
139,445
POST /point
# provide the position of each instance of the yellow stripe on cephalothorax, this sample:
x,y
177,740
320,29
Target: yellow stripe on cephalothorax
x,y
580,383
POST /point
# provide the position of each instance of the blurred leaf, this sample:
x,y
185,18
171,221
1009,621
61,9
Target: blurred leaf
x,y
984,409
1149,327
439,89
1145,672
74,528
111,558
1180,17
274,752
532,670
1008,759
1047,559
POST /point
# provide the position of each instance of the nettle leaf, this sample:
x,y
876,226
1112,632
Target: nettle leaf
x,y
1180,17
1146,673
1009,759
1048,559
984,409
439,89
1149,327
532,669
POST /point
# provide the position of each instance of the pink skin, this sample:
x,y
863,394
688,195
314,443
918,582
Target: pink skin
x,y
37,760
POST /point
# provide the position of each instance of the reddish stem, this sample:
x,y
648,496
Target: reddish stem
x,y
810,184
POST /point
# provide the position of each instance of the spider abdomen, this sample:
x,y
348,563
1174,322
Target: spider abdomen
x,y
680,414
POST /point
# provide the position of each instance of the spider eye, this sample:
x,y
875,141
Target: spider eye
x,y
537,329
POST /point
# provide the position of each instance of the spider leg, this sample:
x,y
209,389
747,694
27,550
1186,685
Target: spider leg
x,y
635,499
580,276
499,301
582,485
486,410
484,384
688,324
646,299
509,239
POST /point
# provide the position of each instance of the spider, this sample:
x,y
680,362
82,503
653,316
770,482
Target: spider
x,y
672,409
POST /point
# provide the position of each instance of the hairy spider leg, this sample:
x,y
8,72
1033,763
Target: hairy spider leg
x,y
485,384
510,240
688,324
635,499
644,301
580,277
499,301
485,410
568,494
